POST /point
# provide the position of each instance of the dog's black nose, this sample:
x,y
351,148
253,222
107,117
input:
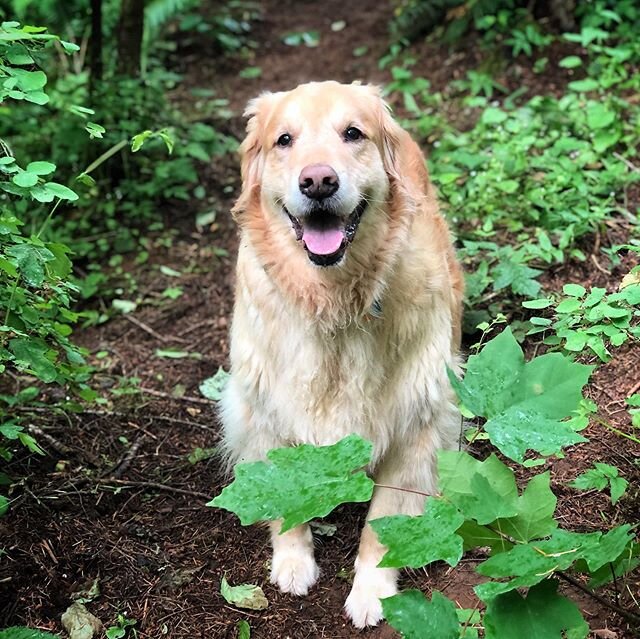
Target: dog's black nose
x,y
318,181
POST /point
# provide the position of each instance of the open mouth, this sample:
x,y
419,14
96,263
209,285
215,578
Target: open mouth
x,y
324,235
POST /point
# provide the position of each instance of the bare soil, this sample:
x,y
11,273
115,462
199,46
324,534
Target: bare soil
x,y
117,500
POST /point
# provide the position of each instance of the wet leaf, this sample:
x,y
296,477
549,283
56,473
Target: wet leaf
x,y
243,596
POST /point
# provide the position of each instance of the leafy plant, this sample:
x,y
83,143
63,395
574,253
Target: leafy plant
x,y
119,630
600,477
523,403
596,320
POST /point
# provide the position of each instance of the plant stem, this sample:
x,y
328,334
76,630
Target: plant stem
x,y
46,221
105,156
606,424
13,292
629,616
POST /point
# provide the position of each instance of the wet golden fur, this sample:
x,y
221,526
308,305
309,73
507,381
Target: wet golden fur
x,y
311,361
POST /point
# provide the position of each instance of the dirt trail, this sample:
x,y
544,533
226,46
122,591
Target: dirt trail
x,y
158,553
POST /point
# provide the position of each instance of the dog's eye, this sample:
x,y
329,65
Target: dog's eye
x,y
284,140
352,134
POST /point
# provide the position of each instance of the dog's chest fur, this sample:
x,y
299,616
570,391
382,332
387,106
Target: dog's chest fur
x,y
381,376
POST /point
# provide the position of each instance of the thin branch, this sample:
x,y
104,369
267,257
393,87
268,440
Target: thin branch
x,y
184,398
404,490
626,614
157,486
119,469
147,329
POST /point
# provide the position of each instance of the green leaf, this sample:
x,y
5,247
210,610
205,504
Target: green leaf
x,y
172,353
41,168
515,431
570,62
62,192
244,595
598,116
414,542
413,615
543,614
574,290
124,306
25,179
20,632
4,506
582,86
536,507
212,387
538,304
522,402
599,477
482,490
31,354
244,629
30,260
324,477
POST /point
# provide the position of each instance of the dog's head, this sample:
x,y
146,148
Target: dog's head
x,y
319,161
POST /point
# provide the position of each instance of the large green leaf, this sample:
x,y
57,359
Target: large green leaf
x,y
528,564
413,615
535,507
300,483
30,260
31,354
523,402
543,614
482,490
417,541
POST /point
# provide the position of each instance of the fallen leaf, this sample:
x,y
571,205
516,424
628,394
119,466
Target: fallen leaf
x,y
79,622
244,596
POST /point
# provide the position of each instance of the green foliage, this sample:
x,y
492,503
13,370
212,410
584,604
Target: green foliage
x,y
212,387
597,320
412,614
35,289
600,477
119,630
428,537
523,403
19,632
542,613
324,476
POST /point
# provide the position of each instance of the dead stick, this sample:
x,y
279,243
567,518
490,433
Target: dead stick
x,y
184,398
629,616
58,446
152,484
118,470
147,329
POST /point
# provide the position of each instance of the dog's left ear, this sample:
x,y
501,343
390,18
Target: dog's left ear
x,y
251,150
403,160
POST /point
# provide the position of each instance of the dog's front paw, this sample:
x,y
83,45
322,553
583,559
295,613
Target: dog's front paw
x,y
294,571
363,605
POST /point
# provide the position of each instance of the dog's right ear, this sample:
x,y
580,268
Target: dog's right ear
x,y
252,149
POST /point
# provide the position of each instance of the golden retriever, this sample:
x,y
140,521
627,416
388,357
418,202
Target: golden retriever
x,y
347,310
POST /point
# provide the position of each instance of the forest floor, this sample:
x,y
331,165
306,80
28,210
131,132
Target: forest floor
x,y
120,496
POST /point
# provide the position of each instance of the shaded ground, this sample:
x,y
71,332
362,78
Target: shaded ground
x,y
118,500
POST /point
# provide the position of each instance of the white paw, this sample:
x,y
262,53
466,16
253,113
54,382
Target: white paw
x,y
363,605
294,571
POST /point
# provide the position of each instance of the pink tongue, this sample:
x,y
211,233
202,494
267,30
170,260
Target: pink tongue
x,y
323,242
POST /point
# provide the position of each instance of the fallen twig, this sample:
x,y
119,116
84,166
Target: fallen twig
x,y
147,329
152,484
118,470
629,616
184,398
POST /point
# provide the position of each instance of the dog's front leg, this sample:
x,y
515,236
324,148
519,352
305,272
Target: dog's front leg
x,y
409,466
293,567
